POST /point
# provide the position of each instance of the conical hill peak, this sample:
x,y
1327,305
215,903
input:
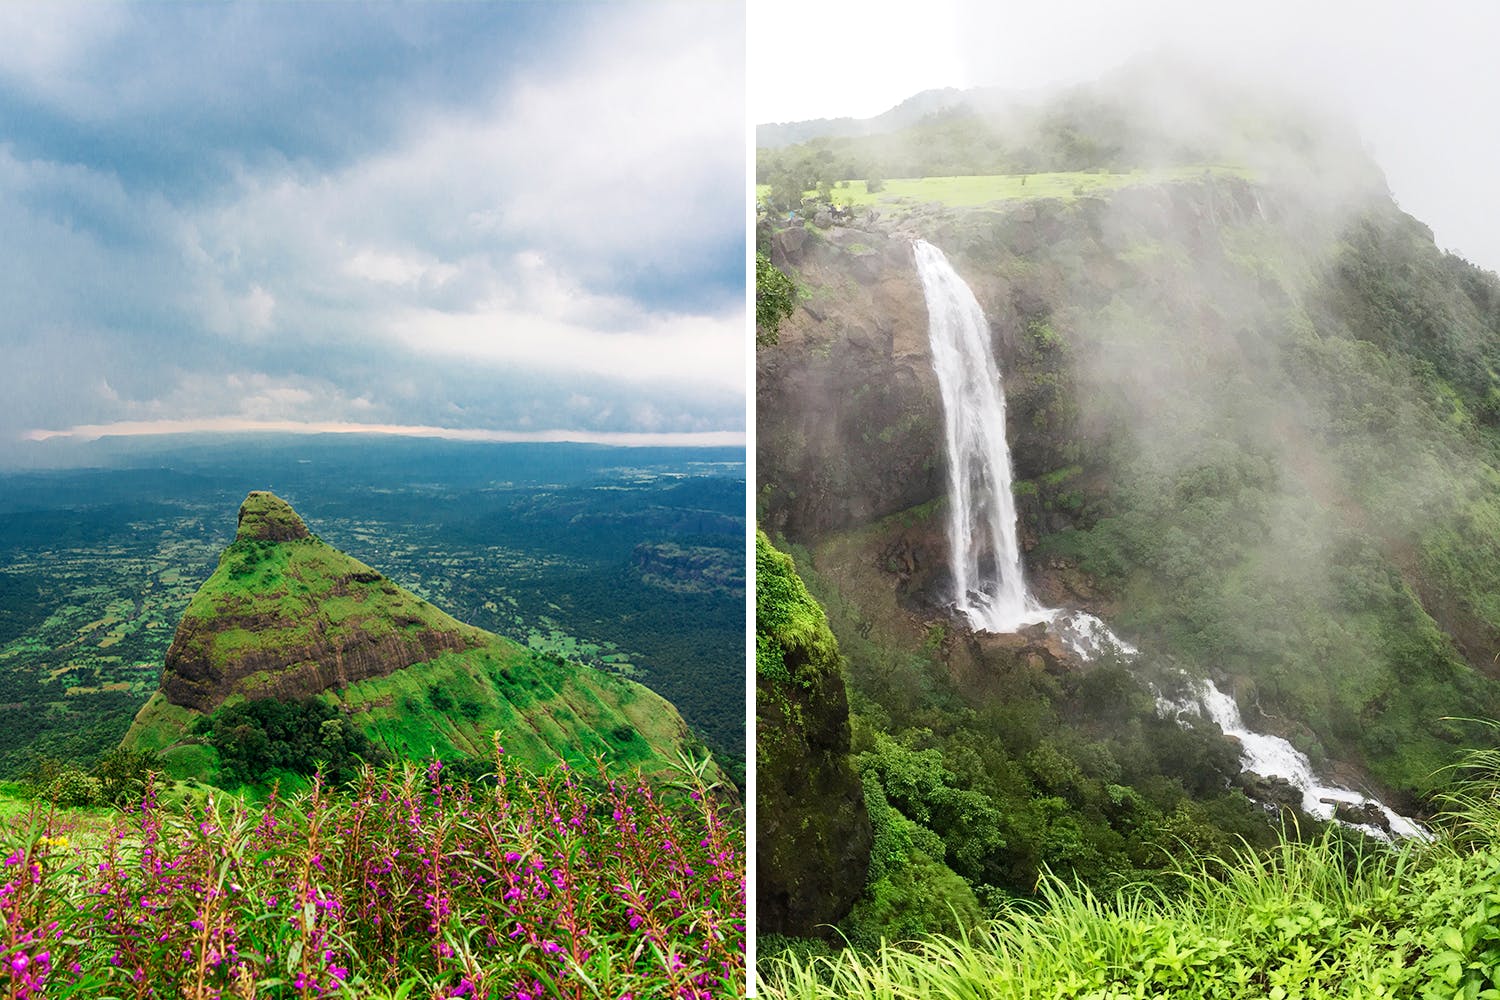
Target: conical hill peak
x,y
264,516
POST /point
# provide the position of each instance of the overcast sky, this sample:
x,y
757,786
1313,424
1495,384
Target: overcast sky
x,y
473,217
1419,80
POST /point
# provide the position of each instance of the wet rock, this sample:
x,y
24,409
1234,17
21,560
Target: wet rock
x,y
789,243
1361,814
1034,645
813,833
1270,790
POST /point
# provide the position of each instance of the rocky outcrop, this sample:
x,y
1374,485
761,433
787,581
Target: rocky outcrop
x,y
1271,791
1036,646
286,616
195,678
266,517
1362,814
813,832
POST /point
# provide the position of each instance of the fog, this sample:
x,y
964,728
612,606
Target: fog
x,y
1417,83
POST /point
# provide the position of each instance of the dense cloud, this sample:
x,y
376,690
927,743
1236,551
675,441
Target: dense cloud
x,y
497,217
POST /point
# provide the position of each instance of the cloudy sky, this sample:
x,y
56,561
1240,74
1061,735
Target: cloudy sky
x,y
483,218
1419,80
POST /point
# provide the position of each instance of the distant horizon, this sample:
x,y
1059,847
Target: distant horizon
x,y
80,447
229,425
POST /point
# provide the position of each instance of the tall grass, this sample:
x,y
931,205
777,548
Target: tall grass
x,y
1326,919
405,884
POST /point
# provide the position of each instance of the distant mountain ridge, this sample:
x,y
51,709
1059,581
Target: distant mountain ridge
x,y
288,617
772,135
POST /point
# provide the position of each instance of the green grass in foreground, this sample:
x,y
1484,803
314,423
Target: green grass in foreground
x,y
973,191
1310,920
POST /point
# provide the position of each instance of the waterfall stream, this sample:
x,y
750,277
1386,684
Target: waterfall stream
x,y
989,580
1274,757
981,505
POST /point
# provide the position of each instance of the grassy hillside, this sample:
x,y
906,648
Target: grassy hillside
x,y
973,190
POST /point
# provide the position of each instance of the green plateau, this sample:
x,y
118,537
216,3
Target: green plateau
x,y
286,619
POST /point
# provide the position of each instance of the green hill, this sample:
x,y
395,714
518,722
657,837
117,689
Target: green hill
x,y
288,618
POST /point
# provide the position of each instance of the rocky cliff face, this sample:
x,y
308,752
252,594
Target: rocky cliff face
x,y
1245,417
195,678
813,832
847,405
849,420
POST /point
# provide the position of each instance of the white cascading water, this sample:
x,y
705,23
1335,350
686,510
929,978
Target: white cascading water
x,y
989,580
981,507
1274,757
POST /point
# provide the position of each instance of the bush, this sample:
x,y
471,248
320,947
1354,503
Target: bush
x,y
75,788
775,299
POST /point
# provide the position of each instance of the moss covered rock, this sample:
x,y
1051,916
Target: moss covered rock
x,y
813,832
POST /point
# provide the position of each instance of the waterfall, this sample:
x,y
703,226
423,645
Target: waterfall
x,y
989,581
988,578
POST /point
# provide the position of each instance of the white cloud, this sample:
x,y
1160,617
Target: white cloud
x,y
497,226
44,47
415,270
704,350
548,231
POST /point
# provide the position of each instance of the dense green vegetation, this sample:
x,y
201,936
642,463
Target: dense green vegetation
x,y
972,803
1296,496
255,739
115,779
775,299
1320,919
813,834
